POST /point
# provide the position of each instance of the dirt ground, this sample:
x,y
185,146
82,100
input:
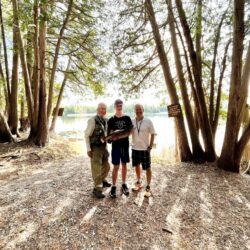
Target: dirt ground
x,y
48,204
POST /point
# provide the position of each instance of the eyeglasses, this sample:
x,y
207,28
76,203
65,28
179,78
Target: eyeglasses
x,y
119,105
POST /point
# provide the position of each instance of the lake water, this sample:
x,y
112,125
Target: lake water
x,y
74,126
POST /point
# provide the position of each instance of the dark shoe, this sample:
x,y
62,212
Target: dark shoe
x,y
125,189
148,188
106,184
98,194
113,192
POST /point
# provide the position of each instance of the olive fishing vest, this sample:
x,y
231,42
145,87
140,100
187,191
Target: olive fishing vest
x,y
99,131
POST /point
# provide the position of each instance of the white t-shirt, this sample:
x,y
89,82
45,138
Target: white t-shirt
x,y
141,133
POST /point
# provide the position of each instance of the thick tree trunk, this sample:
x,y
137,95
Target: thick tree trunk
x,y
13,111
42,130
57,49
59,99
185,152
5,133
241,146
227,158
198,153
244,90
204,121
5,52
36,72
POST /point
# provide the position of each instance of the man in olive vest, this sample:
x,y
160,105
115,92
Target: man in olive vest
x,y
97,150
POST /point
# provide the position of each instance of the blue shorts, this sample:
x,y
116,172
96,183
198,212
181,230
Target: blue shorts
x,y
120,155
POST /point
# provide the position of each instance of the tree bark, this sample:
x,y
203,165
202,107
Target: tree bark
x,y
59,99
197,115
5,133
204,121
54,66
36,68
7,78
42,130
218,99
22,127
185,152
212,81
244,90
13,111
227,157
198,153
198,34
24,64
4,87
29,55
241,144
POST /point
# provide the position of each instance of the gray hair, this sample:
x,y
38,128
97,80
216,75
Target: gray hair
x,y
139,105
100,105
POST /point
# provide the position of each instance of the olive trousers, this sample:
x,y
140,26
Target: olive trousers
x,y
99,165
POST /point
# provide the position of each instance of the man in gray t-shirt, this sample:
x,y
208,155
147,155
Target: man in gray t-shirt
x,y
142,142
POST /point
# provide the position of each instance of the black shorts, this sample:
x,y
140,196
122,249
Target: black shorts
x,y
119,154
141,157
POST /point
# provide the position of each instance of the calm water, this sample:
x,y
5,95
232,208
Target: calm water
x,y
164,126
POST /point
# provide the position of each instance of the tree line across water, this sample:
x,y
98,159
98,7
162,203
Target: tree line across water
x,y
199,49
80,110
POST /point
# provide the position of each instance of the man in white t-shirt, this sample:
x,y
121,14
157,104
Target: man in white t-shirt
x,y
142,142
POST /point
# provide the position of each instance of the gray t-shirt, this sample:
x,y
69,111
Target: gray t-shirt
x,y
141,133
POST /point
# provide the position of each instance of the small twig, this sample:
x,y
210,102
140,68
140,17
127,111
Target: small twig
x,y
166,230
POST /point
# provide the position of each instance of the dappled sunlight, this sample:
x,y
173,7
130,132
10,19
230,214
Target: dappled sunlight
x,y
183,204
25,231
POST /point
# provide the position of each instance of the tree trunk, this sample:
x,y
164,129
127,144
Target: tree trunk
x,y
241,146
212,81
24,64
196,146
197,115
42,130
198,34
185,152
204,121
58,46
36,72
29,50
4,87
53,123
227,158
218,99
244,90
5,133
5,52
22,119
13,111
